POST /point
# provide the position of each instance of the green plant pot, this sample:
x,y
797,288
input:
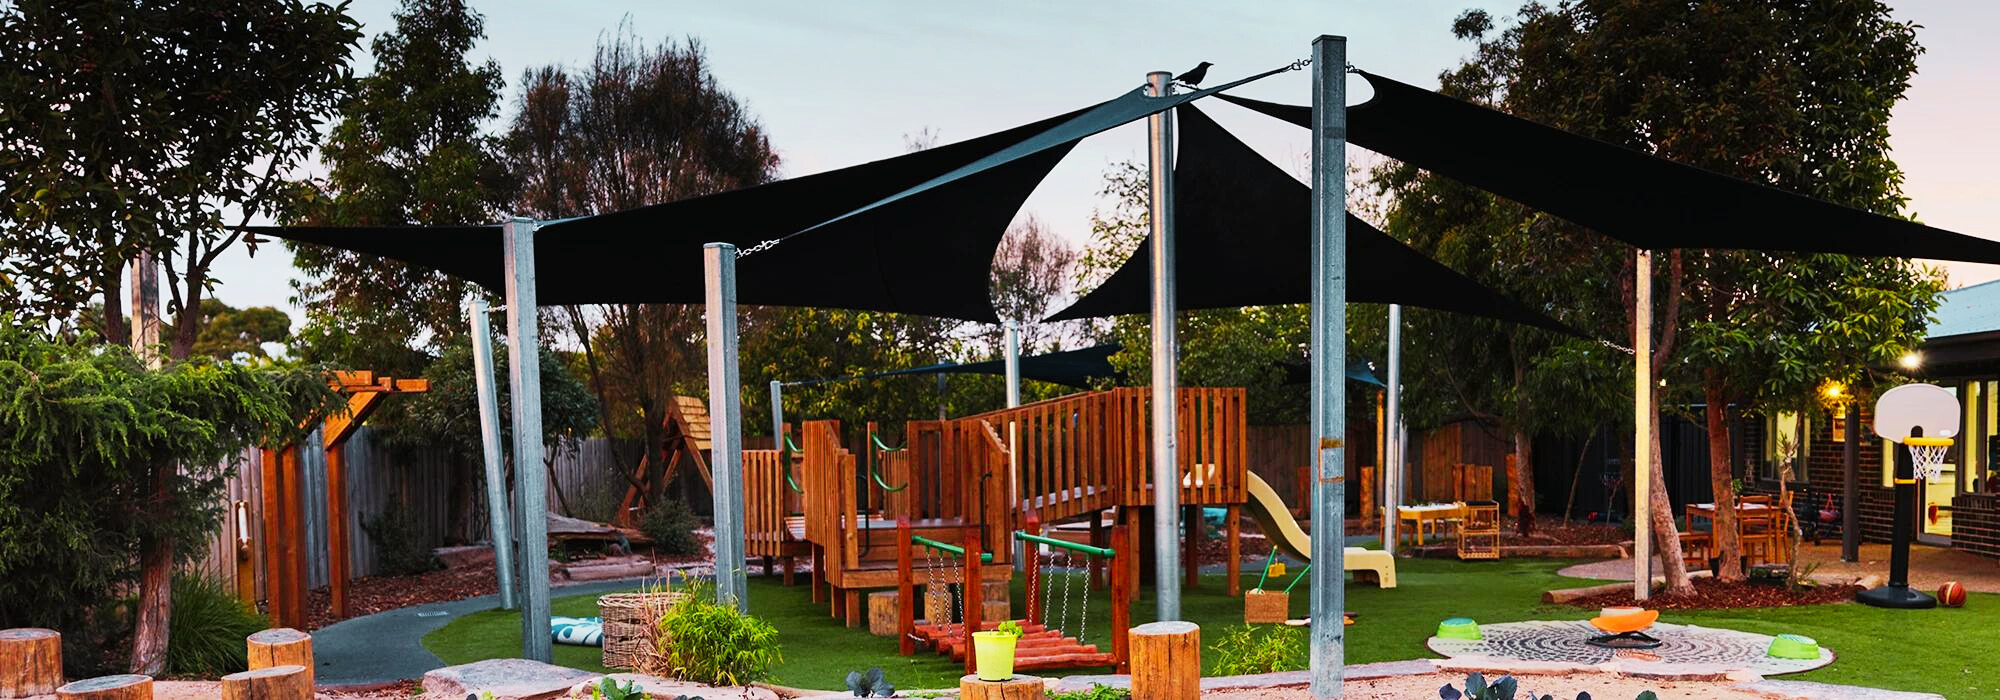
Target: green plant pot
x,y
1792,646
1459,628
993,655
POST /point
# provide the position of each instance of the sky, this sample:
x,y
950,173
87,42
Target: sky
x,y
842,83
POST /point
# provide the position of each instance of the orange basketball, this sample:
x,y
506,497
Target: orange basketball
x,y
1951,594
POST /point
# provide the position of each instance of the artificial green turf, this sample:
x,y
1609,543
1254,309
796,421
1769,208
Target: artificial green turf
x,y
1945,651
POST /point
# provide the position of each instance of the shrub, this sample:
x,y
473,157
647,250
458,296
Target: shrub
x,y
1245,650
716,644
1096,692
398,549
207,627
1503,688
671,526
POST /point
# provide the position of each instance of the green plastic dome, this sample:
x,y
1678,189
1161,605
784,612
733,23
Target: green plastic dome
x,y
1792,646
1459,628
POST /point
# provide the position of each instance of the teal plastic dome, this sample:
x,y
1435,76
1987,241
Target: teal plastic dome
x,y
1459,628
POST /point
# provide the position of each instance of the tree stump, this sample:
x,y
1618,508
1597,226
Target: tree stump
x,y
1166,661
282,646
30,662
882,613
937,604
127,687
289,682
1017,688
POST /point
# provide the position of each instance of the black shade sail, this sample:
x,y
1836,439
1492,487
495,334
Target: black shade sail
x,y
1069,368
1243,237
910,234
1644,200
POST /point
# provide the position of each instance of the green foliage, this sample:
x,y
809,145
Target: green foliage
x,y
608,689
716,644
1009,628
398,548
870,683
447,416
135,126
671,525
207,626
408,149
1252,649
1096,692
86,432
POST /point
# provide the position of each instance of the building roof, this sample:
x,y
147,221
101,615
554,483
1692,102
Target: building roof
x,y
1967,310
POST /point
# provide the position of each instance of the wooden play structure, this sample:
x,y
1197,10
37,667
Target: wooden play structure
x,y
687,439
977,483
284,499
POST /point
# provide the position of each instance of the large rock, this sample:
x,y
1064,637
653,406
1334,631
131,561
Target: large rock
x,y
506,679
668,688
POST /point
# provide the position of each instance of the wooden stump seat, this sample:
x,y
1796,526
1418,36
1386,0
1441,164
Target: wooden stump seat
x,y
30,662
282,646
125,687
1020,687
1166,661
289,682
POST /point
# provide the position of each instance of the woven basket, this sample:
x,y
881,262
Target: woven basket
x,y
630,624
1259,608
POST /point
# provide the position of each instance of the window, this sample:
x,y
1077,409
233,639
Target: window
x,y
1782,431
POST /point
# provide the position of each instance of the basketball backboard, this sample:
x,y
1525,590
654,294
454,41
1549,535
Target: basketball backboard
x,y
1928,406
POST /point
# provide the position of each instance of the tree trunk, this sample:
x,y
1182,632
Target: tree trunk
x,y
1666,538
1524,470
116,331
187,323
156,563
1577,475
1721,478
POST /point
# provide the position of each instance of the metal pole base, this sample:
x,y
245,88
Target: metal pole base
x,y
1894,596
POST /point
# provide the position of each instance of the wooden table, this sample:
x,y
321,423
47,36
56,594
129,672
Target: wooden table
x,y
1707,511
1439,515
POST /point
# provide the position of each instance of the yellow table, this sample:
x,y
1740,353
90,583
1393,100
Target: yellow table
x,y
1438,515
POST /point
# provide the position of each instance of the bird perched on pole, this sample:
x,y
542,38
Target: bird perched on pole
x,y
1194,76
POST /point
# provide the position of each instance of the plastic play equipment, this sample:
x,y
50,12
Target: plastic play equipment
x,y
1792,646
1623,631
1286,536
1922,418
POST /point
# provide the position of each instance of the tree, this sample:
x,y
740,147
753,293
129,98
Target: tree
x,y
1796,96
1032,272
131,129
224,330
110,464
638,126
407,150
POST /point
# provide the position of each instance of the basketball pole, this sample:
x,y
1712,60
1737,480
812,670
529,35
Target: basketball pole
x,y
1896,593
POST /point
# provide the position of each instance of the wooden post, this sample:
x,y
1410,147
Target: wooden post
x,y
1166,661
906,603
30,662
272,489
1233,550
1017,688
973,586
273,683
126,687
1121,602
282,646
336,530
294,542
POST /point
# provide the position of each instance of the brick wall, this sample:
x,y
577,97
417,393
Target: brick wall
x,y
1975,524
1825,469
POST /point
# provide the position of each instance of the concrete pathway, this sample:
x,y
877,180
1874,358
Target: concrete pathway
x,y
388,646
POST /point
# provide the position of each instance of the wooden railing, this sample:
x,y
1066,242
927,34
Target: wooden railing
x,y
764,503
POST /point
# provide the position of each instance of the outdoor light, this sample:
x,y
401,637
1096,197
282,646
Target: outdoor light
x,y
1833,391
243,522
1911,360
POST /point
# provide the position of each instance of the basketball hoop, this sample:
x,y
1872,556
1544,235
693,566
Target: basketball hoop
x,y
1927,455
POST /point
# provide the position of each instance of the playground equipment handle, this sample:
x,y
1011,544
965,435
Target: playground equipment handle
x,y
954,549
1106,552
1301,577
785,452
875,466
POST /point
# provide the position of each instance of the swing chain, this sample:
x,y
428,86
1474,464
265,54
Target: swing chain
x,y
1083,614
1065,589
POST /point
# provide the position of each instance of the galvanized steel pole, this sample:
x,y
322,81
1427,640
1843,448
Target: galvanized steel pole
x,y
1013,363
1166,362
725,403
1642,426
1392,469
489,442
777,415
1328,404
524,383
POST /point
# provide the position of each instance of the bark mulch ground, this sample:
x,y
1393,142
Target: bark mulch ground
x,y
1711,594
1552,531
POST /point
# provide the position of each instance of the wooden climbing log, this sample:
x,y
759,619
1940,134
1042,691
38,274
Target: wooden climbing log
x,y
1017,688
282,646
288,682
126,687
30,662
882,613
1166,661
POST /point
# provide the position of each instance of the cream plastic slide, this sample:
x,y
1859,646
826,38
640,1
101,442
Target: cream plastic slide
x,y
1276,521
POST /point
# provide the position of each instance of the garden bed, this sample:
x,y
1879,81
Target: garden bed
x,y
1711,594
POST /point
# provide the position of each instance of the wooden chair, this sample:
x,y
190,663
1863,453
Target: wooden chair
x,y
1697,549
1479,534
1757,535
